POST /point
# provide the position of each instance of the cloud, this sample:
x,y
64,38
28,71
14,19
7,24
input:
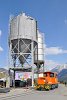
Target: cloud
x,y
0,32
54,51
50,64
1,49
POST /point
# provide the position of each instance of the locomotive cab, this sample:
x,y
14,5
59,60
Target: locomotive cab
x,y
48,81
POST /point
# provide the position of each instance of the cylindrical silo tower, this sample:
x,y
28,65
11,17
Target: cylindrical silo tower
x,y
39,52
22,42
23,30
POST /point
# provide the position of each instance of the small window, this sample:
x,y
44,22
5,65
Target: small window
x,y
45,75
51,75
55,75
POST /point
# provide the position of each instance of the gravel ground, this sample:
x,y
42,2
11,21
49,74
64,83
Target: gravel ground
x,y
30,94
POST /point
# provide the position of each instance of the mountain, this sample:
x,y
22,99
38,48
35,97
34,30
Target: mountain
x,y
62,76
56,69
62,73
3,70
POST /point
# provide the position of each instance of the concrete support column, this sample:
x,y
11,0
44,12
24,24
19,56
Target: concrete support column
x,y
14,79
32,54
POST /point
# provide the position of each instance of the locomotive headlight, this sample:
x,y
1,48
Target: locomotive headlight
x,y
49,82
44,81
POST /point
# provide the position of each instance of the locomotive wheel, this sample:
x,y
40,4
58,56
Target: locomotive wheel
x,y
47,87
56,86
53,86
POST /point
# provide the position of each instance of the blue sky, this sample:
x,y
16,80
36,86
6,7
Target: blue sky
x,y
51,16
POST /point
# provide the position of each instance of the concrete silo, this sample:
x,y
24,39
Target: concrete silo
x,y
39,52
22,32
22,39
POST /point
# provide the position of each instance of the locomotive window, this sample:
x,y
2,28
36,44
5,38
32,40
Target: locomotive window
x,y
45,75
56,75
51,75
